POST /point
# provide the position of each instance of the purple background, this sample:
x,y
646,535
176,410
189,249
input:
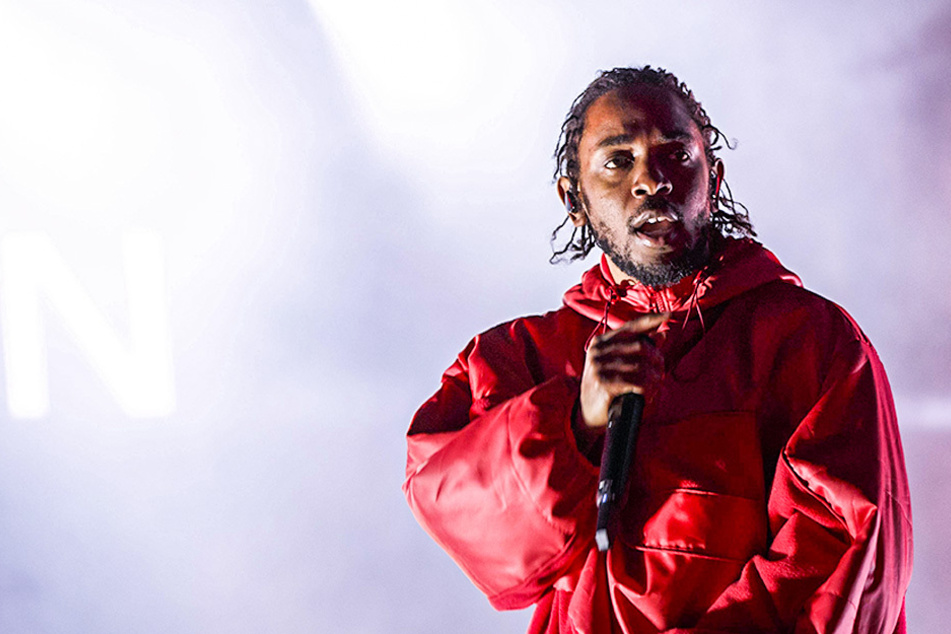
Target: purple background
x,y
347,192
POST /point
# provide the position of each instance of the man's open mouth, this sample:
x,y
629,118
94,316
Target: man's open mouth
x,y
656,226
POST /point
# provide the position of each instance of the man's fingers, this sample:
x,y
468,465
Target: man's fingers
x,y
631,375
627,341
644,354
616,383
619,362
634,329
644,323
639,346
624,367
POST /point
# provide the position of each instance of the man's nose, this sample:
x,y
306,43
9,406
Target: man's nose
x,y
650,181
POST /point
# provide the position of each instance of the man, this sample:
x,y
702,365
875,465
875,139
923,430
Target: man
x,y
768,491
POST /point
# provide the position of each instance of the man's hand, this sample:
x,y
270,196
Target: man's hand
x,y
618,362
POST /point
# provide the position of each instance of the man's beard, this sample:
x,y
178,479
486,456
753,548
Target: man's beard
x,y
662,274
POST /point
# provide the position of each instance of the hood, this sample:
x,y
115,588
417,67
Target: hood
x,y
738,266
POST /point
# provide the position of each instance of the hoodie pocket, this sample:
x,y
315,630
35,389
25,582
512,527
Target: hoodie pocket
x,y
694,522
694,515
697,487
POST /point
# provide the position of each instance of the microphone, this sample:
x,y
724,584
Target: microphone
x,y
624,419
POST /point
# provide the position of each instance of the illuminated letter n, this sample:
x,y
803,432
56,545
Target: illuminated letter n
x,y
138,374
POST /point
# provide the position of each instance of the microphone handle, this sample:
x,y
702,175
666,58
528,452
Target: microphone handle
x,y
624,419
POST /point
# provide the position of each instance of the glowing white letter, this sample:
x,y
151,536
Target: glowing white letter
x,y
140,376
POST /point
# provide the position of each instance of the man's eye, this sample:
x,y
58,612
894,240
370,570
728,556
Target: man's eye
x,y
681,156
618,162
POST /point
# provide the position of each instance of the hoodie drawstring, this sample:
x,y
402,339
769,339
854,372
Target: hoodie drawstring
x,y
615,293
694,300
602,327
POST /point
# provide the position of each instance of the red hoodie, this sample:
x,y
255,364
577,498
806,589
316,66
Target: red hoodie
x,y
768,492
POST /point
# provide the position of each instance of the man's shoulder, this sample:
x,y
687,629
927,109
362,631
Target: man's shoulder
x,y
559,325
801,308
774,294
547,343
552,320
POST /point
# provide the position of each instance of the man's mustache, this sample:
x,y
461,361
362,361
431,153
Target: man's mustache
x,y
656,203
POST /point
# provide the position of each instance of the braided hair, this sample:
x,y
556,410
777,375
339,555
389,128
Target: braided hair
x,y
729,217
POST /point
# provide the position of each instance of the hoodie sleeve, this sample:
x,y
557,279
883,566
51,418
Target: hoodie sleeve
x,y
839,512
491,459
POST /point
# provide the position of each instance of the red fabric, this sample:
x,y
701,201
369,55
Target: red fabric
x,y
768,492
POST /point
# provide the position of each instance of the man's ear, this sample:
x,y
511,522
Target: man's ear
x,y
570,201
718,171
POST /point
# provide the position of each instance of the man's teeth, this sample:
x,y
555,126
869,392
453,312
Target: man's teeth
x,y
656,225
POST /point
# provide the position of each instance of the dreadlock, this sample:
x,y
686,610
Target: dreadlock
x,y
729,217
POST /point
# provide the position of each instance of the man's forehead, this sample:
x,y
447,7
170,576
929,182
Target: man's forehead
x,y
637,109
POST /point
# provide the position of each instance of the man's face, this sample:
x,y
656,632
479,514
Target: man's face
x,y
644,182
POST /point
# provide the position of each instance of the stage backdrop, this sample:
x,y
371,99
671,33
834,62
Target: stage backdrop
x,y
240,241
